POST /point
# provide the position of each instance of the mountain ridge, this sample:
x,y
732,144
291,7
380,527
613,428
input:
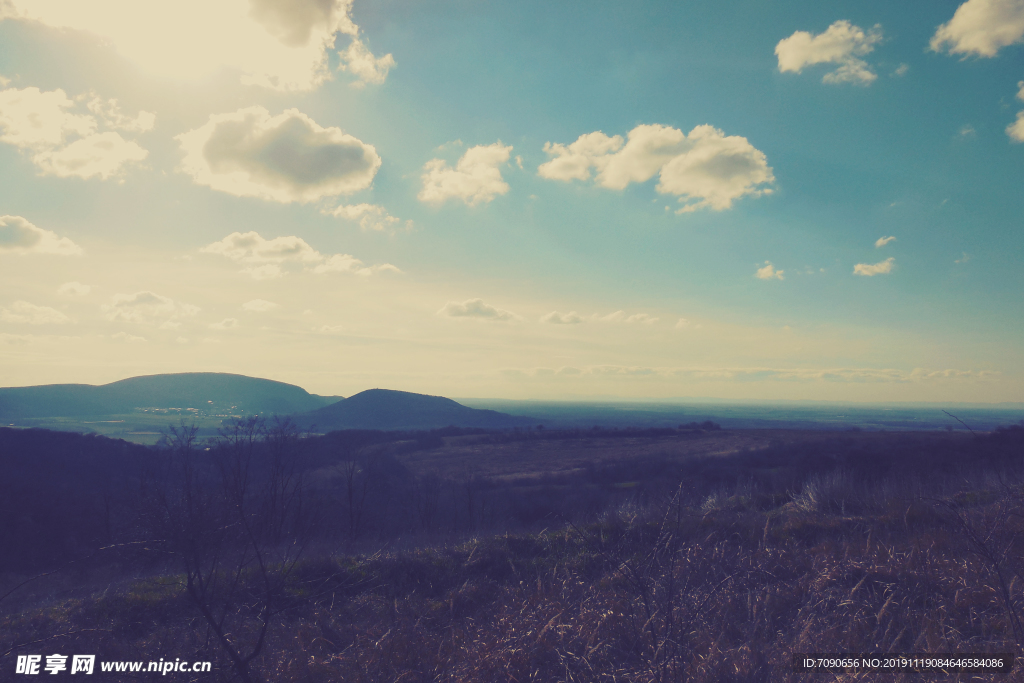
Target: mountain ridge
x,y
389,409
198,390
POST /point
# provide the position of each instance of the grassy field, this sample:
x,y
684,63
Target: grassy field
x,y
724,554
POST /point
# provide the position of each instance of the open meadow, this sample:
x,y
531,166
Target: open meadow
x,y
531,555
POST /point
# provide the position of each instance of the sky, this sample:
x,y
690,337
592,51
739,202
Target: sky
x,y
525,200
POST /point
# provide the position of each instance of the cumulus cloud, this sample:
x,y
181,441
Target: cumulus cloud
x,y
63,143
18,236
768,272
26,313
268,256
642,318
369,216
225,324
129,338
74,288
360,62
870,269
259,306
251,247
284,158
842,43
148,308
279,44
476,308
882,241
346,263
570,318
110,112
682,323
981,28
475,179
704,169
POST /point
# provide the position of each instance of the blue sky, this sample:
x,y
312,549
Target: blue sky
x,y
520,200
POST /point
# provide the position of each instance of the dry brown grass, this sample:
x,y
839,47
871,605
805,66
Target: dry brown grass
x,y
719,583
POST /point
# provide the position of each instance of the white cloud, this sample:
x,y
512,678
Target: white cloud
x,y
281,44
1016,129
24,312
285,158
475,308
18,236
74,288
42,124
705,168
570,318
901,70
225,324
967,131
251,248
683,323
148,308
981,28
842,43
369,216
768,272
882,241
359,61
129,338
642,318
268,271
259,305
573,161
32,119
475,179
103,155
870,269
110,111
339,263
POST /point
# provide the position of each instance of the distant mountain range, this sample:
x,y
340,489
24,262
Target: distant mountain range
x,y
213,394
391,410
210,392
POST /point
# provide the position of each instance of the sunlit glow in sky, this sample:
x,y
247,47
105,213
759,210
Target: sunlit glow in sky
x,y
519,200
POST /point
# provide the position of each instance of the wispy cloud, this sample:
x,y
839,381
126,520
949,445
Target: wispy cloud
x,y
882,241
570,318
476,308
31,314
769,374
148,308
870,269
265,258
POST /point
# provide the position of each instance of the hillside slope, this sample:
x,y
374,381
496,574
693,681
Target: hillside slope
x,y
388,409
208,391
